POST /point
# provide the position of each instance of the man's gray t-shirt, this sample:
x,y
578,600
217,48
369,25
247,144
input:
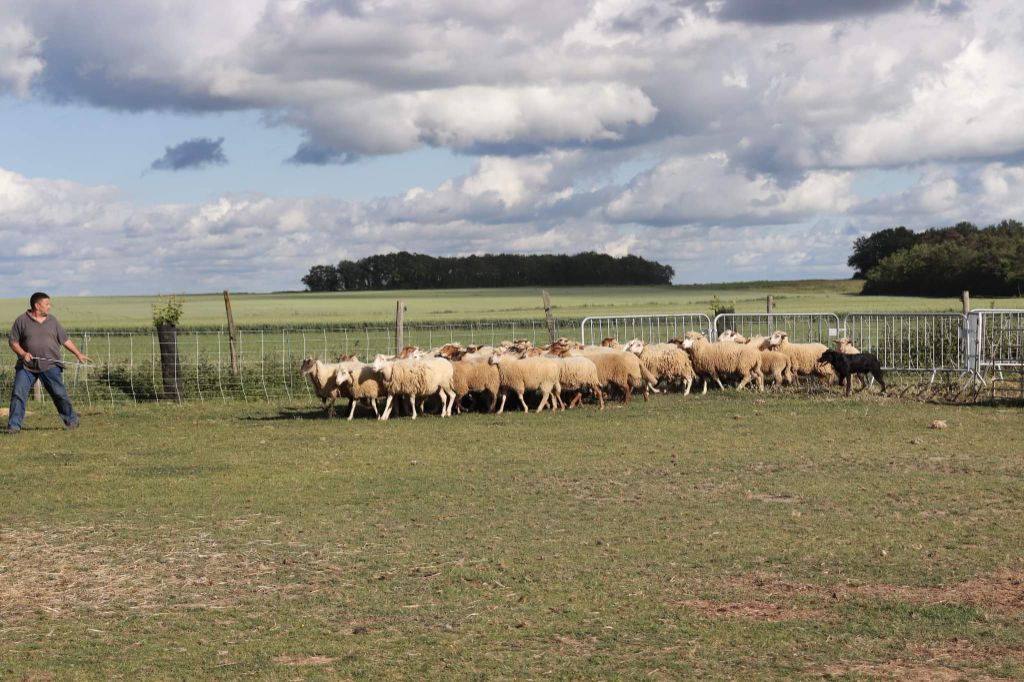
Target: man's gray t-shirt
x,y
42,340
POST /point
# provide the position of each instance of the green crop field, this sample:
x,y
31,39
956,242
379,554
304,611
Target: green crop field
x,y
305,309
726,536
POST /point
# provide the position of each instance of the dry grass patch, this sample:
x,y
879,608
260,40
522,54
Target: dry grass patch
x,y
63,570
755,610
1000,593
896,670
302,660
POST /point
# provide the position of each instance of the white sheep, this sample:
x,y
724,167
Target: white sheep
x,y
666,361
321,377
526,374
577,374
773,363
802,356
416,377
759,342
620,369
715,360
475,375
358,382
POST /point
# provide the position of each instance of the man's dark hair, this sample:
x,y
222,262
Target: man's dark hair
x,y
36,297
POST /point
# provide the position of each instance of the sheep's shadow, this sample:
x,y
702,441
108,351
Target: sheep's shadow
x,y
287,414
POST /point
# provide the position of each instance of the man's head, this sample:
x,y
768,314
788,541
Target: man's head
x,y
39,303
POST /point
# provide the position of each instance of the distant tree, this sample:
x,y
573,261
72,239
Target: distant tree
x,y
869,251
404,270
321,278
947,261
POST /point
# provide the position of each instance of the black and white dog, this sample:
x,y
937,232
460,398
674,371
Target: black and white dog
x,y
859,363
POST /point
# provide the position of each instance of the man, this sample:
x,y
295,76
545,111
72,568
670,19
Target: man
x,y
36,338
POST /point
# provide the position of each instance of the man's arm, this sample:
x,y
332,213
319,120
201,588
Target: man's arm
x,y
70,345
19,351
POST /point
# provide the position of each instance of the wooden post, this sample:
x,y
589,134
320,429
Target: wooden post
x,y
771,305
966,297
399,327
547,314
232,334
37,390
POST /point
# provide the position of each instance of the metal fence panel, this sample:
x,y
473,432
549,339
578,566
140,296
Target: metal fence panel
x,y
911,342
650,328
800,327
999,339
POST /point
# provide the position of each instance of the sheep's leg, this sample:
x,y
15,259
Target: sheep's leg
x,y
628,390
351,408
522,401
576,399
687,383
494,402
373,404
600,396
759,375
412,402
744,381
504,397
387,409
545,396
451,401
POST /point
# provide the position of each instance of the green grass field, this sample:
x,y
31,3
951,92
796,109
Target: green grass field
x,y
306,309
725,536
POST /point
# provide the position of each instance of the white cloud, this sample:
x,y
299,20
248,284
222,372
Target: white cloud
x,y
706,190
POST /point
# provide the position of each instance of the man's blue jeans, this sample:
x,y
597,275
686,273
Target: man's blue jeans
x,y
53,382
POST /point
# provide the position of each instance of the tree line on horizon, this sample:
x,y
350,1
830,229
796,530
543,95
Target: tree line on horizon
x,y
404,270
942,261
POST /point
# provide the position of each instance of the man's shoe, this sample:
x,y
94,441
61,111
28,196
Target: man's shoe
x,y
71,427
12,431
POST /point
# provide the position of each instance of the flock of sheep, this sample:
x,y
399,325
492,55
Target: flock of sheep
x,y
563,369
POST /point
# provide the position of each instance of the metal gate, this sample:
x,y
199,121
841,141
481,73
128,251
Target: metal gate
x,y
650,328
800,327
912,342
997,339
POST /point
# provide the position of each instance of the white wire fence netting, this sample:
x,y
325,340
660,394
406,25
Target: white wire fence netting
x,y
126,366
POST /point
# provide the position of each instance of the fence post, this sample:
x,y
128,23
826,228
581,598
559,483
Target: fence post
x,y
547,314
232,334
37,390
966,298
399,327
771,305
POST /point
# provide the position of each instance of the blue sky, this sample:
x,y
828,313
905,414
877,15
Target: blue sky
x,y
236,144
